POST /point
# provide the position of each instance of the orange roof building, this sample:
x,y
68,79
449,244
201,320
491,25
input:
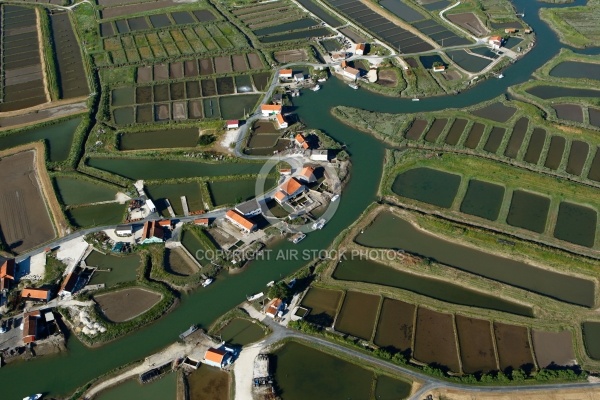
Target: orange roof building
x,y
273,307
240,221
152,233
217,358
30,326
281,122
165,223
68,284
286,73
288,190
300,141
307,174
360,49
202,222
495,41
7,274
35,294
270,109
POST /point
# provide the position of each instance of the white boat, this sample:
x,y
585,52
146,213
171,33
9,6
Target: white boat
x,y
319,224
33,397
415,99
335,197
207,282
315,88
297,238
500,76
353,86
270,283
322,80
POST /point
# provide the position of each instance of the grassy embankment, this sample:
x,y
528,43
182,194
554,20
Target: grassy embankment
x,y
575,26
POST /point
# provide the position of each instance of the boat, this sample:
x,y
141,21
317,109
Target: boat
x,y
500,76
319,224
315,88
188,332
322,80
255,296
33,397
416,99
335,197
270,283
353,86
207,282
297,238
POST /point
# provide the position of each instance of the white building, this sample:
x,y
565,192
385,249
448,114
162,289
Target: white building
x,y
299,77
360,49
217,358
319,155
286,73
351,73
124,230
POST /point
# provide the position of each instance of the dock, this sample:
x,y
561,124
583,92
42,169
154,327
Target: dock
x,y
184,204
169,208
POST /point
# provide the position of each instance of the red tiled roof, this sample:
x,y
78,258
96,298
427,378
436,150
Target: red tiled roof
x,y
215,355
352,71
233,122
240,219
36,294
300,139
270,107
305,145
280,119
165,222
496,38
273,306
202,221
290,186
7,270
307,172
360,46
280,196
286,71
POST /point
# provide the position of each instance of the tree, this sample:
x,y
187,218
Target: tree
x,y
279,290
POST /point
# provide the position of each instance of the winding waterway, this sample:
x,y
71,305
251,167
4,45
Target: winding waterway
x,y
62,374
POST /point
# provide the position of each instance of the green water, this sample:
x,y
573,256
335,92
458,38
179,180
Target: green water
x,y
305,373
193,245
98,215
173,192
122,268
164,388
166,139
483,199
164,169
73,191
58,137
391,389
228,291
241,332
373,272
591,339
427,185
576,224
233,192
407,237
238,106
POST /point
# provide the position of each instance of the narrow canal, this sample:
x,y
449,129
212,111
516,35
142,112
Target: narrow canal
x,y
62,374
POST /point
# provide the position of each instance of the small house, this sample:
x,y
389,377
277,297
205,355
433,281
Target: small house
x,y
36,294
288,190
217,358
360,49
439,68
270,109
233,124
7,274
351,73
274,307
299,140
307,174
248,208
151,206
286,73
511,30
281,122
319,155
152,233
285,171
202,222
240,221
299,77
339,55
165,224
68,286
124,230
495,41
30,326
528,31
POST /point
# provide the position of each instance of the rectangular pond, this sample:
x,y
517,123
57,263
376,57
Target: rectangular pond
x,y
98,215
173,192
528,211
512,342
233,192
555,152
416,129
323,305
591,339
468,62
476,345
436,130
406,236
164,388
402,10
576,70
395,326
140,168
483,199
239,106
456,131
112,269
427,185
435,341
357,315
475,135
495,139
551,92
516,138
535,147
594,173
72,191
163,139
576,224
577,156
372,272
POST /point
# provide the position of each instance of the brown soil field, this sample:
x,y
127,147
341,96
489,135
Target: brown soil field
x,y
161,92
223,64
134,8
286,56
225,85
570,112
58,109
144,74
143,94
553,347
176,70
451,75
434,339
513,347
190,68
469,22
192,89
416,129
179,112
587,393
254,61
143,114
239,63
123,305
25,221
323,305
177,90
208,87
476,345
357,315
387,78
395,327
161,72
206,67
178,262
161,111
195,109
